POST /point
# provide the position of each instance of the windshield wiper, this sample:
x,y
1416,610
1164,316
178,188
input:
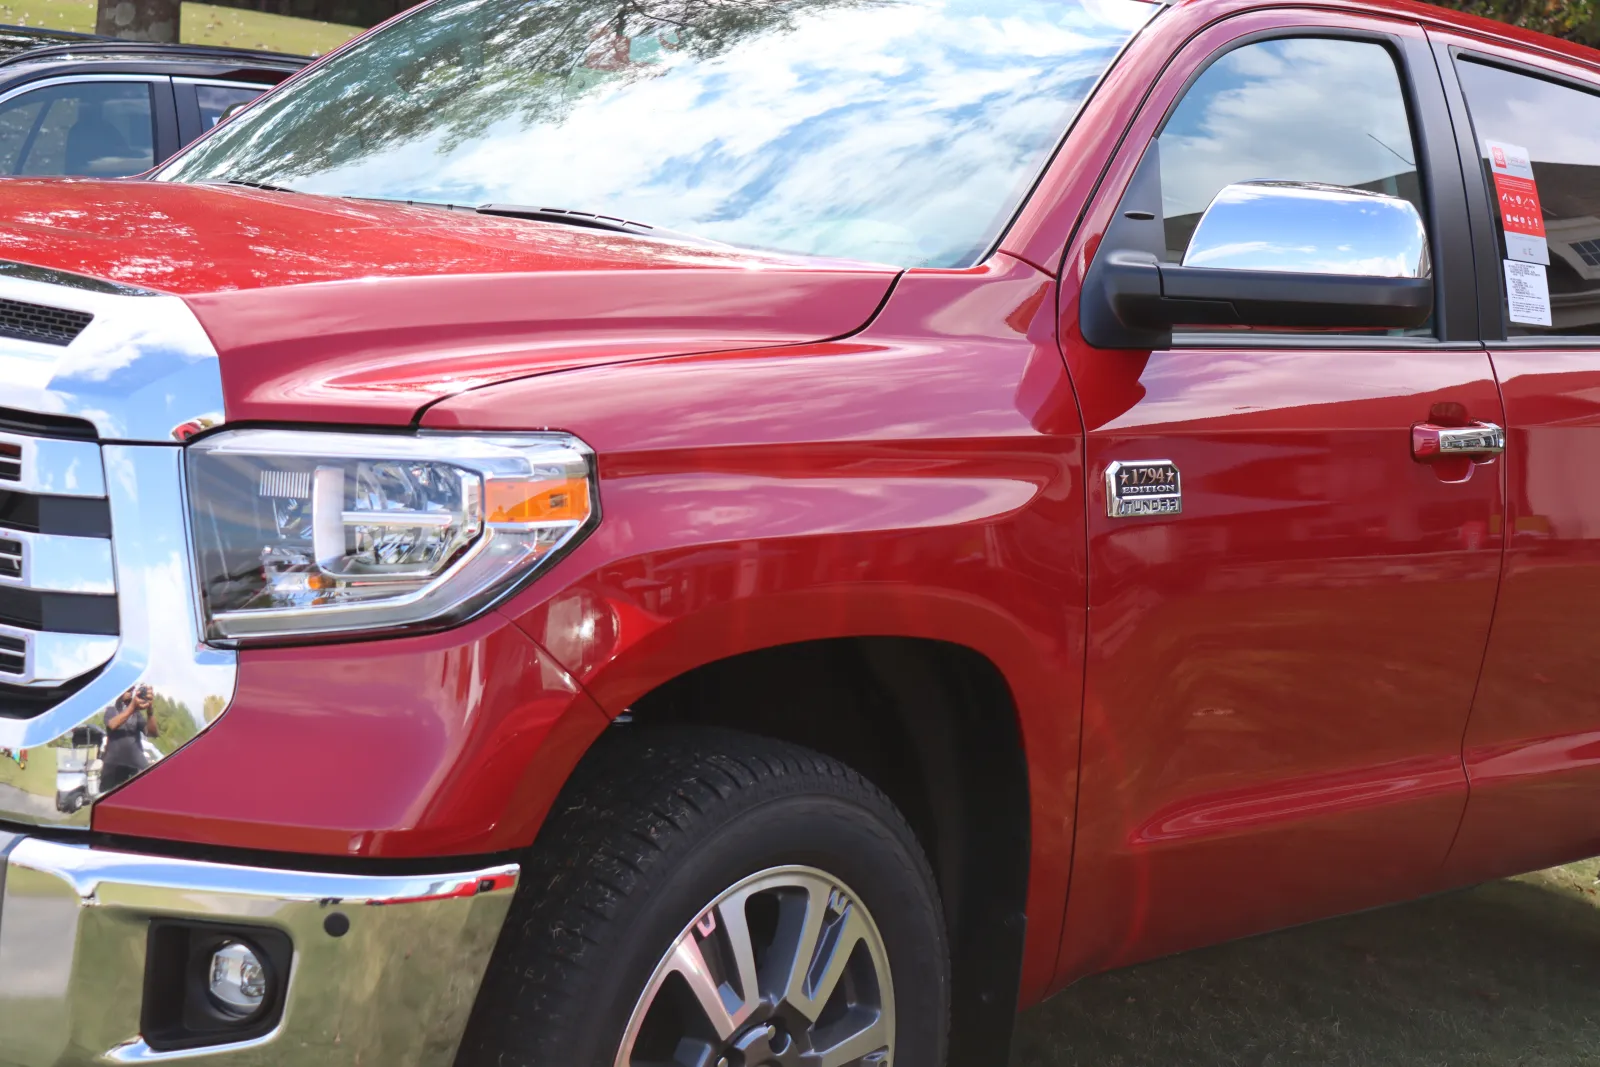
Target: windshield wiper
x,y
565,215
589,220
258,185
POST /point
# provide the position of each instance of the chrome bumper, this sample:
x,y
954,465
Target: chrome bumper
x,y
395,989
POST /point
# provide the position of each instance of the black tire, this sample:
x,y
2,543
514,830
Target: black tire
x,y
656,827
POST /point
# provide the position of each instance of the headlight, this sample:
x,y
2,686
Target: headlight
x,y
301,533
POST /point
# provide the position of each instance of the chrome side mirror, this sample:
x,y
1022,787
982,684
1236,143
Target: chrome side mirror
x,y
1306,228
1265,254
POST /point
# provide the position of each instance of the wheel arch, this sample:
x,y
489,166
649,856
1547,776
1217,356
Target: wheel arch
x,y
935,725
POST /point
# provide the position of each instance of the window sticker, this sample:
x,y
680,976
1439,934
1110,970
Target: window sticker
x,y
1527,293
1520,211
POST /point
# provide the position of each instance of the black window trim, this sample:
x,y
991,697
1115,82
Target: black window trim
x,y
1491,291
185,88
1440,175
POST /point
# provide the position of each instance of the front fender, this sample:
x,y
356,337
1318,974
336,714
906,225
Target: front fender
x,y
922,479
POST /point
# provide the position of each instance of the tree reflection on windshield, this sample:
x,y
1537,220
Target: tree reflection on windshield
x,y
890,130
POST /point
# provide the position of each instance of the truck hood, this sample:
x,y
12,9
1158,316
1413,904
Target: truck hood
x,y
332,310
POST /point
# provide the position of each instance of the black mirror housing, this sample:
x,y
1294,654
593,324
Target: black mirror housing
x,y
1152,297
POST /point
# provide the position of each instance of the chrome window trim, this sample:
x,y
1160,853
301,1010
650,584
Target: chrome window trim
x,y
151,80
52,467
58,563
221,83
53,658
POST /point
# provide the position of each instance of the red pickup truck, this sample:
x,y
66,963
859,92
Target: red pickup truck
x,y
770,534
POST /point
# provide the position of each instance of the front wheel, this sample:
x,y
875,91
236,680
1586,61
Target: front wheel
x,y
710,899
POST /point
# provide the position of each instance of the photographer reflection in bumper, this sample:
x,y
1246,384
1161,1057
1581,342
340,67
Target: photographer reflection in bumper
x,y
128,722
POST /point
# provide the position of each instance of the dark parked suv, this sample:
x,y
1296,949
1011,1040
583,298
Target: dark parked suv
x,y
102,108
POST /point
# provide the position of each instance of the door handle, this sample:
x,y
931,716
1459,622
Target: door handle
x,y
1479,441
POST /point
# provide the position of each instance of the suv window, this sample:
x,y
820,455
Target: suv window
x,y
87,129
18,120
215,100
1295,109
1540,146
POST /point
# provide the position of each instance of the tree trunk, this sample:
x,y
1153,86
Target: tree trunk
x,y
139,20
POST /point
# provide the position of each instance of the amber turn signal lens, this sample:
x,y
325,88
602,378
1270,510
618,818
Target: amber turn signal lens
x,y
512,501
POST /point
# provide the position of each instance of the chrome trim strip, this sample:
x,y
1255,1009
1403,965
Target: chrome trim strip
x,y
159,646
221,83
60,564
1483,439
143,366
55,468
395,989
51,658
74,79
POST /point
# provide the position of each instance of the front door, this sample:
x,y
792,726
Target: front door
x,y
1278,675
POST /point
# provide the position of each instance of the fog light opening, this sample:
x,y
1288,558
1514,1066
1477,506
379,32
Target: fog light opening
x,y
211,983
238,980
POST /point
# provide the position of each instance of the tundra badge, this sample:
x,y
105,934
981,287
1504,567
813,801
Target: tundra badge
x,y
1143,487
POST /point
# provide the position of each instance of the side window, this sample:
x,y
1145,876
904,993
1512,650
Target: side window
x,y
215,100
1294,109
1540,145
88,129
19,121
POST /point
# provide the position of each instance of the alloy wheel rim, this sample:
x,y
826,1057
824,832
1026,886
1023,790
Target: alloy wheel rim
x,y
786,968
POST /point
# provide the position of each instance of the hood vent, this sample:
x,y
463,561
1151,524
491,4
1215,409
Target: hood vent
x,y
39,322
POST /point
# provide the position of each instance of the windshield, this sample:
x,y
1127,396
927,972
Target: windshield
x,y
893,131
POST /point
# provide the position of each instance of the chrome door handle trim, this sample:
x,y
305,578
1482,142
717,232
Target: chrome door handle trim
x,y
1436,442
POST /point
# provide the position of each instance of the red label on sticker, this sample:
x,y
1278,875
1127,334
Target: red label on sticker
x,y
1519,204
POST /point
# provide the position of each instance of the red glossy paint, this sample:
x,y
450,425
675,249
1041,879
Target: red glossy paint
x,y
1269,736
329,310
1532,748
920,479
1249,717
450,744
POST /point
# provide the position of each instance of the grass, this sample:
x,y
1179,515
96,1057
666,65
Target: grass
x,y
201,24
39,777
1504,974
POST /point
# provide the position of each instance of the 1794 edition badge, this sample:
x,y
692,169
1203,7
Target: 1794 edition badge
x,y
1143,487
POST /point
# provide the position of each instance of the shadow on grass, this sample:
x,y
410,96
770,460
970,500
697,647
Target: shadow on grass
x,y
1504,974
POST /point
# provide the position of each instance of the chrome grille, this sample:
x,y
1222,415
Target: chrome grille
x,y
58,590
13,656
85,617
41,323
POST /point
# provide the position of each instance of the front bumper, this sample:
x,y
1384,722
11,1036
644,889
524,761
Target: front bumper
x,y
396,989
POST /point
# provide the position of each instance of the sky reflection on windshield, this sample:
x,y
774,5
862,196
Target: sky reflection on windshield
x,y
900,131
